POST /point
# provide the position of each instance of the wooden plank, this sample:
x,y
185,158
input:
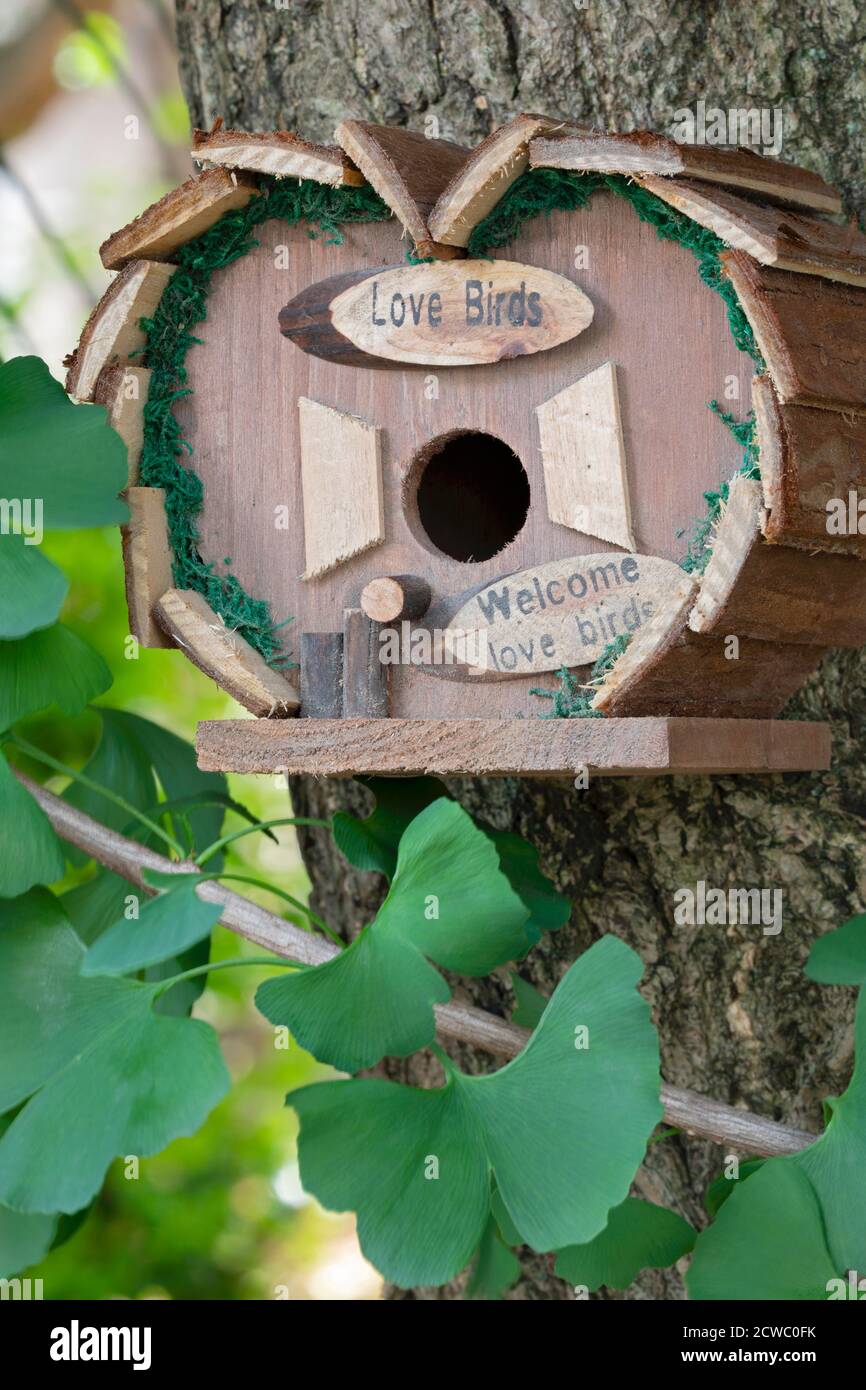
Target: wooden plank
x,y
773,235
224,655
644,152
583,455
365,677
182,214
811,333
396,598
809,458
123,391
146,563
407,170
322,675
563,613
668,669
511,747
774,592
112,332
456,314
486,176
275,152
341,475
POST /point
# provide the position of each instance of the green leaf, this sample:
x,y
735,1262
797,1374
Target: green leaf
x,y
376,998
25,1239
495,1268
767,1241
836,1162
518,859
721,1188
562,1129
531,1003
66,455
638,1235
49,667
102,1074
30,852
32,589
839,958
166,926
371,844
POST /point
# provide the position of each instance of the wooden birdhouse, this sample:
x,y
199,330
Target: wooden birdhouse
x,y
426,443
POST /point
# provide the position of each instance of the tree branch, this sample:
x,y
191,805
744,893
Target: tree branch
x,y
697,1115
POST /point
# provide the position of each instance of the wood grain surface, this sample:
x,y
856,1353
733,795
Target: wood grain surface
x,y
665,330
508,747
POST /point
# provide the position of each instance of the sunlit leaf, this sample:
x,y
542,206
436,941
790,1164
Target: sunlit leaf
x,y
65,455
49,667
167,925
32,589
30,852
562,1129
101,1073
449,903
638,1235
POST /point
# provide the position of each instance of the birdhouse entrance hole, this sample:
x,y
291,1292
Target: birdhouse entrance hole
x,y
472,495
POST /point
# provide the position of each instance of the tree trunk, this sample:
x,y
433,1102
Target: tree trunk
x,y
737,1018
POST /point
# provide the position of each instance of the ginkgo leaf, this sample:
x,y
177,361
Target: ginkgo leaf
x,y
64,454
767,1241
836,1162
450,903
839,958
639,1235
531,1003
373,844
723,1187
101,1073
32,589
166,926
25,1239
495,1267
561,1129
49,667
30,852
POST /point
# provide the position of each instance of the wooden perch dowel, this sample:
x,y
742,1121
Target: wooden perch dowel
x,y
275,152
395,597
644,152
697,1115
224,655
112,333
182,214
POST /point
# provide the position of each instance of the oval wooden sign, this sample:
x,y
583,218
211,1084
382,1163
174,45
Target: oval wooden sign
x,y
441,314
559,614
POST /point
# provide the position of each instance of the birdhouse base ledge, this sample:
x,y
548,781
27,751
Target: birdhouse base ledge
x,y
512,747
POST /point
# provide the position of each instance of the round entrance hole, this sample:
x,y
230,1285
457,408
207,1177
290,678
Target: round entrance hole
x,y
472,497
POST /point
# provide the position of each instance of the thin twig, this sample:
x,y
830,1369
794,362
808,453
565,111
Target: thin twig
x,y
739,1130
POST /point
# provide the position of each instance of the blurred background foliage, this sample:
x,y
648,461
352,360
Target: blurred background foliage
x,y
93,127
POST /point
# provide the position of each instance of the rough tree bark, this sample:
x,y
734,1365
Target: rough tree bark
x,y
736,1016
